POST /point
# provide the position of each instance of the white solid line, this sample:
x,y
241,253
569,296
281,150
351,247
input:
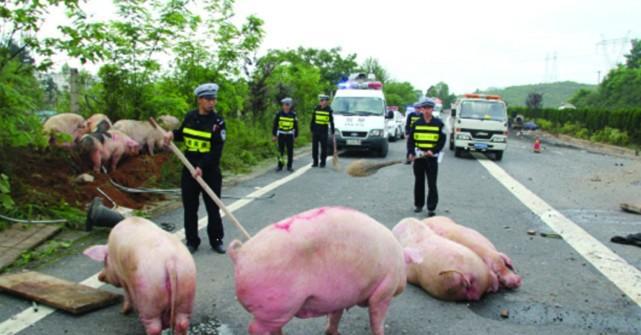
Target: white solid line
x,y
625,276
28,317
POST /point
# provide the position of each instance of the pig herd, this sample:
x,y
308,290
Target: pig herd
x,y
315,263
103,142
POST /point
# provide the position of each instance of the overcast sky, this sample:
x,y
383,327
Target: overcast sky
x,y
467,44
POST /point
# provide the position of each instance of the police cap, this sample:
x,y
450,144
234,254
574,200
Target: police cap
x,y
208,90
287,101
425,103
323,97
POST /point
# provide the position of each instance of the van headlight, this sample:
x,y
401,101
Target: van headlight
x,y
376,132
499,139
464,137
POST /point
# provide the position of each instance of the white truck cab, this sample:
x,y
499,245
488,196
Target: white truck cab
x,y
479,123
360,118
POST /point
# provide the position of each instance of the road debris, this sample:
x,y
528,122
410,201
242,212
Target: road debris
x,y
85,178
531,232
551,235
505,313
632,208
595,179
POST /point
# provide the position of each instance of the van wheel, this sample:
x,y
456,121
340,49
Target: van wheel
x,y
382,151
451,142
498,155
458,152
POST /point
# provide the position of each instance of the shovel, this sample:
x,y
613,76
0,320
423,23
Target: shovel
x,y
200,181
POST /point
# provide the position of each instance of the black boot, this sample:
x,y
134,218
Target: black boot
x,y
219,247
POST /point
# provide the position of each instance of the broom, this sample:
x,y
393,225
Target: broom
x,y
335,155
363,168
201,182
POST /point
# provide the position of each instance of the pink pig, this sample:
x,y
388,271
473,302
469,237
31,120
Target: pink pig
x,y
500,263
316,263
156,271
449,271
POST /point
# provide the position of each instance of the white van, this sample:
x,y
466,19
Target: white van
x,y
479,123
360,118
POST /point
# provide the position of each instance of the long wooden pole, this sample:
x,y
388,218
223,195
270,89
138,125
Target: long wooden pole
x,y
201,181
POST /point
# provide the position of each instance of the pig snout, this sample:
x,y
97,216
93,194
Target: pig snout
x,y
233,249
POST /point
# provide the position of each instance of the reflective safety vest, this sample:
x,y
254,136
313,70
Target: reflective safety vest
x,y
285,123
197,140
426,137
321,118
413,119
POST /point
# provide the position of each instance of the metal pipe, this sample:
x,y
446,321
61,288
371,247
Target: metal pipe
x,y
31,221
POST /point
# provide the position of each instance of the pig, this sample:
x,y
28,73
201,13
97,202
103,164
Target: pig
x,y
65,123
168,122
156,271
110,146
142,132
317,263
498,262
449,270
98,122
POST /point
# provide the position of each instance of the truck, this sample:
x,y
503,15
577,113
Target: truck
x,y
479,123
360,116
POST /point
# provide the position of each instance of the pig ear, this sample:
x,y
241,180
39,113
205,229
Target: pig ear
x,y
234,248
412,255
97,252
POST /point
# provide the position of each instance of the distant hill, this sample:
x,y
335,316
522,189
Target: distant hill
x,y
554,94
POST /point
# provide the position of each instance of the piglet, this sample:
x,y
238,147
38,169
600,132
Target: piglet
x,y
65,123
143,133
498,262
155,270
449,271
316,263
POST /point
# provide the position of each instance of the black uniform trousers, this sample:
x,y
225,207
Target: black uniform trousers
x,y
319,139
286,141
191,191
425,167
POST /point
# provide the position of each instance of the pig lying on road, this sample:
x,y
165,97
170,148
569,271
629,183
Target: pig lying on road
x,y
449,271
319,262
498,262
155,270
110,146
65,123
142,132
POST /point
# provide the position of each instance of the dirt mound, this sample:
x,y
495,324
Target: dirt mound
x,y
50,175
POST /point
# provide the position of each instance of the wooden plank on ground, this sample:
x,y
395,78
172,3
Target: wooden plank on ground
x,y
633,208
19,238
55,292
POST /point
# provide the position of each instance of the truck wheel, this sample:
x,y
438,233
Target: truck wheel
x,y
402,134
458,152
451,142
382,151
498,155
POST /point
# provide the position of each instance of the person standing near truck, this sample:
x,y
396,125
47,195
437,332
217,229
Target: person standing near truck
x,y
322,122
425,141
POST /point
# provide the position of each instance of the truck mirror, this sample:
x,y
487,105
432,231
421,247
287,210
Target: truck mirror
x,y
453,112
389,115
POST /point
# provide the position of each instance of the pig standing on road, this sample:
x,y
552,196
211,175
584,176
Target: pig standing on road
x,y
319,262
142,132
110,146
65,123
155,270
449,271
498,262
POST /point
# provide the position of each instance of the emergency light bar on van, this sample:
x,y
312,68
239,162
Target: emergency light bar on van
x,y
482,96
371,85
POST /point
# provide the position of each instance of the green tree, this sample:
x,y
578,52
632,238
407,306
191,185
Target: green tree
x,y
442,91
371,65
399,94
633,59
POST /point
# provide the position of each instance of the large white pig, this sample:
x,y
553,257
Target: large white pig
x,y
317,263
98,122
168,122
109,147
449,271
65,123
142,132
498,262
154,269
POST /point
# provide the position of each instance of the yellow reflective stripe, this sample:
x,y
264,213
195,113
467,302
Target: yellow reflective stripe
x,y
425,145
426,137
427,128
283,118
197,133
322,113
195,145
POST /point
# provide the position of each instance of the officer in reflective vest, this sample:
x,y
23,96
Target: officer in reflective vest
x,y
203,132
425,141
411,116
285,130
322,123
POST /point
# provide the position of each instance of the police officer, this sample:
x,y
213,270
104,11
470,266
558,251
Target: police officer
x,y
411,115
285,130
425,141
203,131
322,121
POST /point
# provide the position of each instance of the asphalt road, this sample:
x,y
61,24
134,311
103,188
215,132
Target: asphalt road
x,y
562,293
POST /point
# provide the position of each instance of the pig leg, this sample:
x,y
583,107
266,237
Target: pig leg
x,y
152,326
126,306
150,147
96,159
258,327
379,303
332,323
114,160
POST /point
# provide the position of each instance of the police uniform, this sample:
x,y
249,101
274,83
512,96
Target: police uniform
x,y
411,116
204,137
285,127
322,121
426,136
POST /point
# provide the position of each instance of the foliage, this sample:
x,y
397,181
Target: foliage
x,y
399,94
633,59
534,101
371,65
442,91
555,94
6,202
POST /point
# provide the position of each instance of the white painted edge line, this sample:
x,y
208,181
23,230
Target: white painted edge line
x,y
625,276
28,317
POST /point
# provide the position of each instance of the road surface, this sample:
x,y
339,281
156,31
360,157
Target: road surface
x,y
564,292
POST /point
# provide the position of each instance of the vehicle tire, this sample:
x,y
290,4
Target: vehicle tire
x,y
458,152
382,151
402,134
392,137
451,142
498,155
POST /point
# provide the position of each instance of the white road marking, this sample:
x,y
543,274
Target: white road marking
x,y
625,276
28,317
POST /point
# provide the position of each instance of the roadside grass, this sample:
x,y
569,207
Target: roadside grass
x,y
606,135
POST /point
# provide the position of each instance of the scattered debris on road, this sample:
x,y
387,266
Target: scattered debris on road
x,y
551,235
631,239
632,208
595,179
531,232
505,313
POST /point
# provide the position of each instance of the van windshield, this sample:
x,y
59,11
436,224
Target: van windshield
x,y
361,106
483,110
